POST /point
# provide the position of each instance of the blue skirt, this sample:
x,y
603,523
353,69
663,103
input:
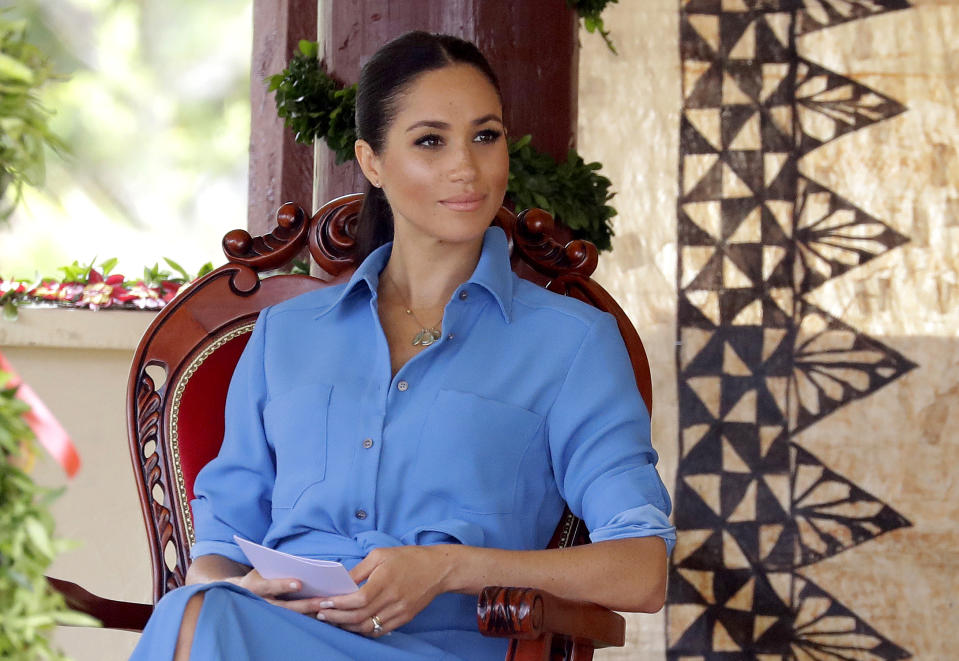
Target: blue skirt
x,y
235,624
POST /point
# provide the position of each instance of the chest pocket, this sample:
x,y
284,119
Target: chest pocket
x,y
296,426
471,449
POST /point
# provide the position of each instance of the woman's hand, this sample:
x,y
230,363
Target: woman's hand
x,y
400,582
210,568
272,589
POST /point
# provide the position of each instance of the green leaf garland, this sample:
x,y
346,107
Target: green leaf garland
x,y
314,105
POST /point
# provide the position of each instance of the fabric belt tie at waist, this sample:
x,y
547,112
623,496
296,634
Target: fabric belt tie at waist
x,y
344,549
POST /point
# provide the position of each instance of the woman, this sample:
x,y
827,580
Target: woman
x,y
410,425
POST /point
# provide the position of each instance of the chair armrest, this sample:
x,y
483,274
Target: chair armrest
x,y
112,614
527,613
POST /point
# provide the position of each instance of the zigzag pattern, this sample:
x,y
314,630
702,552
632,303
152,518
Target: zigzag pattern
x,y
757,362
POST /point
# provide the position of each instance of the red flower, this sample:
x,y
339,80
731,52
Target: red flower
x,y
144,297
48,290
97,295
70,292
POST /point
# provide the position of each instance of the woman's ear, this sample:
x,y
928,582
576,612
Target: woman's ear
x,y
368,161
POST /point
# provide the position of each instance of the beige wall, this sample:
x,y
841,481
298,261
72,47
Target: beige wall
x,y
628,114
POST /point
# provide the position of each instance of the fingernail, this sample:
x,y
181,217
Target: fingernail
x,y
326,604
293,586
320,616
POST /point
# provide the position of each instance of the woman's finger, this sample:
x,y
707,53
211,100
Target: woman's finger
x,y
390,618
362,571
305,606
268,587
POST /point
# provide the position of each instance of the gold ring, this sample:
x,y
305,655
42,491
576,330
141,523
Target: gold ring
x,y
377,625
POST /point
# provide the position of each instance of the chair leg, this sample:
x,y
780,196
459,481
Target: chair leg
x,y
582,651
530,650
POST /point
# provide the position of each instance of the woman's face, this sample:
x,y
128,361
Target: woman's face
x,y
444,163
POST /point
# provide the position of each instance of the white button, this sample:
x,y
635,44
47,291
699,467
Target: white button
x,y
360,514
464,295
368,443
402,386
450,336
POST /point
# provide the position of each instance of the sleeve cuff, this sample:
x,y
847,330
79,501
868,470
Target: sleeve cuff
x,y
226,549
643,521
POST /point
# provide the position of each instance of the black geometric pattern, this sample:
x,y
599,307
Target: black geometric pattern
x,y
757,361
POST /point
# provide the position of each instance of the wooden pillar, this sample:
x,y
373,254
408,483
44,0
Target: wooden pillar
x,y
280,169
532,46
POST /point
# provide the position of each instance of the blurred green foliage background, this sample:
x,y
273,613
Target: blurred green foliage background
x,y
154,108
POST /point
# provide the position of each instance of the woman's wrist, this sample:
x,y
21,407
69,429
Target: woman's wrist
x,y
453,563
211,568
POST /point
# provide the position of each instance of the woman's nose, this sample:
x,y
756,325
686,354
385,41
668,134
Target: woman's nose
x,y
463,167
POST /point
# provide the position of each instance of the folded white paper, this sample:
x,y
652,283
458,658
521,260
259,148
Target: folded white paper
x,y
320,578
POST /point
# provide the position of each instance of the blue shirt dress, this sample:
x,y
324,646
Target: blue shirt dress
x,y
526,402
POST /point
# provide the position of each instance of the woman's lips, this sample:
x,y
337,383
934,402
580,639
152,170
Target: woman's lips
x,y
470,202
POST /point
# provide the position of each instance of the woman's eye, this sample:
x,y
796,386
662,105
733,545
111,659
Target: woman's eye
x,y
488,135
430,140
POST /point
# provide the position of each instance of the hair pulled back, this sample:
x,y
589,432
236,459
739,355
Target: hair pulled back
x,y
383,80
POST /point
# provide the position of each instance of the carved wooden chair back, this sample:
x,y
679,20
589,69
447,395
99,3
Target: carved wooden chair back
x,y
183,365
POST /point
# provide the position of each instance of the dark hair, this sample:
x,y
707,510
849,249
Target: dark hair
x,y
383,80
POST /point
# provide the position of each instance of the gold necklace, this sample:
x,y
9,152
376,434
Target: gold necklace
x,y
427,335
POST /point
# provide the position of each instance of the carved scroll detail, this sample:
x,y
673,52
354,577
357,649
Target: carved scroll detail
x,y
510,612
159,524
273,250
332,237
533,238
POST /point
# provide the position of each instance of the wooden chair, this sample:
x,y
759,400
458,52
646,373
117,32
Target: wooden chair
x,y
177,392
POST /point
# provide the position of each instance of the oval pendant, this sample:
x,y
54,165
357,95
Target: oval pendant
x,y
423,338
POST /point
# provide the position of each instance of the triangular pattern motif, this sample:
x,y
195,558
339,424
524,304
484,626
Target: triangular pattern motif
x,y
757,362
826,629
829,105
833,364
832,514
819,14
833,235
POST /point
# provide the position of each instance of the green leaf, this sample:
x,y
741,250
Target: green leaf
x,y
308,48
13,69
522,142
39,537
176,267
10,311
75,619
108,265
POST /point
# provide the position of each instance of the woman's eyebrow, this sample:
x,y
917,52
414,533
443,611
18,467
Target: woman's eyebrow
x,y
436,124
488,118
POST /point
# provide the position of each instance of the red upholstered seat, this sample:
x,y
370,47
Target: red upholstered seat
x,y
196,412
175,422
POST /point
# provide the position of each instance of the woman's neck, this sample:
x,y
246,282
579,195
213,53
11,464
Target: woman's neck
x,y
427,273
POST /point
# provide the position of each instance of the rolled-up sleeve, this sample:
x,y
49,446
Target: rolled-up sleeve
x,y
234,491
599,438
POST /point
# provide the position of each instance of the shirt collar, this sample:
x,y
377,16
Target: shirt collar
x,y
492,273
